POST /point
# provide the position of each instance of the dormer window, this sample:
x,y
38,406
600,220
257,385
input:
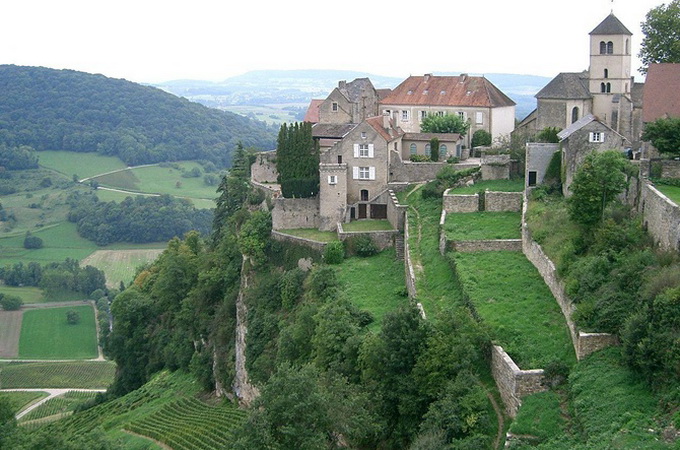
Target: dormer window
x,y
410,92
442,93
425,92
334,107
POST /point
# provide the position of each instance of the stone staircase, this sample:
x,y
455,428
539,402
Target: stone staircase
x,y
399,246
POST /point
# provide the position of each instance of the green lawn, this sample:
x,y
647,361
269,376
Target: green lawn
x,y
539,417
20,400
672,192
375,284
551,227
28,294
511,297
80,374
492,185
313,234
45,334
368,225
483,225
82,164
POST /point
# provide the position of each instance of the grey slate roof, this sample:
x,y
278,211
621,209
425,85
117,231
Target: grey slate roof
x,y
611,25
566,86
582,122
332,130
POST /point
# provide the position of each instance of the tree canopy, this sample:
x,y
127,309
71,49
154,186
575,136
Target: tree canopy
x,y
297,160
449,123
664,134
661,28
49,109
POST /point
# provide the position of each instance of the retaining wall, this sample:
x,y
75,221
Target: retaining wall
x,y
283,237
460,203
503,201
660,216
381,239
295,213
485,245
514,383
410,273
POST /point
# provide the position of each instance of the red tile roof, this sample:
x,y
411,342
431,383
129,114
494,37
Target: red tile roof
x,y
661,95
312,115
460,90
378,123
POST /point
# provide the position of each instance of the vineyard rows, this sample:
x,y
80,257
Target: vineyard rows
x,y
86,375
59,405
190,424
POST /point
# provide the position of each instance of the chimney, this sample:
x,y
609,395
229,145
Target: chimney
x,y
427,76
342,84
386,121
463,77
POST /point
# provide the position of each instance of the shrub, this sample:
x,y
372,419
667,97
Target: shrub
x,y
31,242
453,160
434,149
334,252
255,197
364,246
72,317
481,138
10,302
432,190
556,373
419,158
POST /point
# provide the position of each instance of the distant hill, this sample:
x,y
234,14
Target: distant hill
x,y
286,87
51,109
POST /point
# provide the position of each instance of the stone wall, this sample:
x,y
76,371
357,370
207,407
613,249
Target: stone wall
x,y
460,203
396,212
670,168
513,383
495,167
381,239
485,245
661,217
413,171
315,245
538,159
263,170
503,201
295,213
410,273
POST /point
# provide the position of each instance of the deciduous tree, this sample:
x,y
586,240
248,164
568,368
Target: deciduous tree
x,y
661,28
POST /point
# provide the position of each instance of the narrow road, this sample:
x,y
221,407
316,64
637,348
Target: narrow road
x,y
52,393
116,171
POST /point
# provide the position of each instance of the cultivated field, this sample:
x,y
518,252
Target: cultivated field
x,y
120,265
29,294
76,163
83,374
45,334
10,329
21,400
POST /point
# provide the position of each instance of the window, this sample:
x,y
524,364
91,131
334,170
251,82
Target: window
x,y
574,114
603,87
479,118
440,113
405,116
627,49
461,114
339,159
596,136
442,150
363,135
364,173
606,73
609,88
363,151
532,178
387,112
610,47
334,107
428,150
332,179
414,149
364,195
603,47
423,114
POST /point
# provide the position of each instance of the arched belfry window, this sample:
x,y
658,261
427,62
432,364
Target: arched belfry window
x,y
574,114
606,73
609,88
603,87
603,47
610,47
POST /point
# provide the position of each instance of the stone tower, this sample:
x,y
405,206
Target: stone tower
x,y
610,81
332,195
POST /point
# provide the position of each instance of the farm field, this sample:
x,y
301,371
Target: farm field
x,y
29,294
373,284
120,265
82,164
21,400
45,334
35,210
106,195
492,185
483,225
509,294
10,330
83,374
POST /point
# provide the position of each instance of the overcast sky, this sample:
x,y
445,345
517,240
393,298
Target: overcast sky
x,y
154,41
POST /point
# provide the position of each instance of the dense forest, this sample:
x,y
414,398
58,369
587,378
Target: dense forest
x,y
138,220
49,109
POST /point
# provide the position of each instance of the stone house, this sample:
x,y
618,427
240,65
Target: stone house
x,y
583,137
450,144
473,98
606,90
661,97
351,102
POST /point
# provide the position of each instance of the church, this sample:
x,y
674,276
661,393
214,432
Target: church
x,y
607,90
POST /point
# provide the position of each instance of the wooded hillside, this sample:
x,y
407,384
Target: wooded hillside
x,y
51,109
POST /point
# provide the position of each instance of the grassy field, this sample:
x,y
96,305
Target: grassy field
x,y
28,294
510,295
120,265
483,225
672,192
367,225
10,330
375,284
82,164
114,196
21,400
539,417
81,374
45,334
551,227
492,185
313,234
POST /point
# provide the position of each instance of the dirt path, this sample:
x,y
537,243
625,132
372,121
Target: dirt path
x,y
10,329
116,171
499,417
51,394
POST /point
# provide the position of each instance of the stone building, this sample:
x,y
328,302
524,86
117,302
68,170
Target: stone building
x,y
606,90
350,102
661,97
473,98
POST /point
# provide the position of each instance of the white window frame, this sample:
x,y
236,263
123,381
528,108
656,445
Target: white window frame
x,y
423,114
461,114
364,151
596,136
363,173
335,107
405,115
332,179
479,118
